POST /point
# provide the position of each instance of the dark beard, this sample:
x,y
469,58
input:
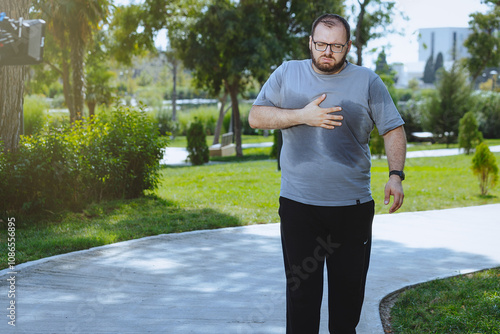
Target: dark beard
x,y
328,68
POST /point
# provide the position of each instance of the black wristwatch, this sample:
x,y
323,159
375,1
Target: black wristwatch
x,y
399,173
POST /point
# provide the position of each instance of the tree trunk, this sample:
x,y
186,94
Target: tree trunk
x,y
91,106
220,120
234,89
66,70
12,85
174,89
359,42
77,58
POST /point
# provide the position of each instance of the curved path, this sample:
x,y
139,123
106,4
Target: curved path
x,y
230,280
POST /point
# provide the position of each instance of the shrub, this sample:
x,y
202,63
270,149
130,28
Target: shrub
x,y
34,109
447,107
114,155
469,135
207,115
377,145
411,113
166,125
197,144
485,168
487,105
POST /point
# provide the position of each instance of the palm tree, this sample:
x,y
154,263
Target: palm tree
x,y
12,85
72,23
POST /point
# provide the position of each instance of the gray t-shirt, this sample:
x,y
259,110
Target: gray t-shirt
x,y
329,167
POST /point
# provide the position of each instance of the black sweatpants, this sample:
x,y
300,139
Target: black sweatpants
x,y
309,235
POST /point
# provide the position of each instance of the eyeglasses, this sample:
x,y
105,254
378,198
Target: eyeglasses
x,y
335,48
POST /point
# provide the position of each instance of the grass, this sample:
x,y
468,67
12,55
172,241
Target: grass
x,y
108,223
237,193
228,194
429,146
181,141
462,304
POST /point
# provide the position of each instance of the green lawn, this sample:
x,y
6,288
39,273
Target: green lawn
x,y
463,304
242,193
228,194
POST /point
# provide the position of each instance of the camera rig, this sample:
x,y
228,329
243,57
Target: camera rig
x,y
21,41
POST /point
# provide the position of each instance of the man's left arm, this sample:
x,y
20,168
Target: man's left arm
x,y
395,148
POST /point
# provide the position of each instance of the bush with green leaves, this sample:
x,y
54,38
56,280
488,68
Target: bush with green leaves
x,y
487,105
469,135
207,115
377,145
484,166
34,109
166,125
111,156
197,143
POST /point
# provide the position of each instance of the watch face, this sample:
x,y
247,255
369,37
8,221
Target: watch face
x,y
399,173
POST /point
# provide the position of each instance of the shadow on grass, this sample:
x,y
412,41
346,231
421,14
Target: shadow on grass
x,y
244,158
107,223
487,196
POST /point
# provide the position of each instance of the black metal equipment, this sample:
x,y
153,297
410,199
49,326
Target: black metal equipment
x,y
21,41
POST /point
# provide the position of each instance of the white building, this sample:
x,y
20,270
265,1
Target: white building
x,y
432,41
448,41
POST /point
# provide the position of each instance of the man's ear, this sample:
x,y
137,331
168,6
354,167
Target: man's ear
x,y
310,42
349,46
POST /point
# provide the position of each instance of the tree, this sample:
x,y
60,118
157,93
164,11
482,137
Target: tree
x,y
98,75
385,71
72,23
372,14
439,63
449,104
197,143
429,73
469,135
232,43
484,166
12,85
483,44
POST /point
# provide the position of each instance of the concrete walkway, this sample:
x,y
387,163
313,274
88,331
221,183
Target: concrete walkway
x,y
177,156
230,280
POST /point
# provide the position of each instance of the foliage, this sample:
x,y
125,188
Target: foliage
x,y
487,106
483,44
70,25
429,74
372,21
166,125
246,193
411,113
386,72
111,156
469,135
34,109
232,43
206,115
439,62
431,68
197,144
485,168
377,147
447,107
98,89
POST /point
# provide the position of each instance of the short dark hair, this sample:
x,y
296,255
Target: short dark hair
x,y
331,20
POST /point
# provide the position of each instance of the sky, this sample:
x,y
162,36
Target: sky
x,y
421,14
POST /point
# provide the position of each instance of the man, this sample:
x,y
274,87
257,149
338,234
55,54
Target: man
x,y
327,108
